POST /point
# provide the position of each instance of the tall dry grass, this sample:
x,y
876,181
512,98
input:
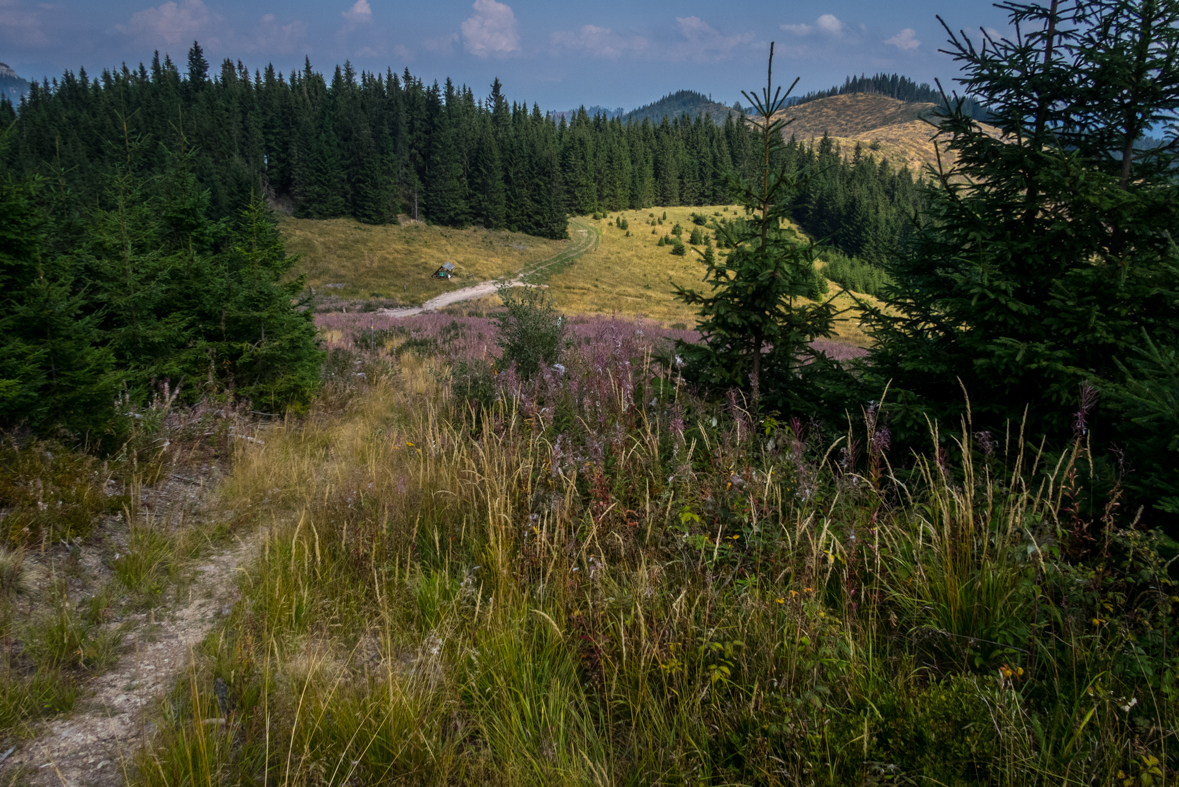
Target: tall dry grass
x,y
599,579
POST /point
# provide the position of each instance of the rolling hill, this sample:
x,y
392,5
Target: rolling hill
x,y
675,104
899,131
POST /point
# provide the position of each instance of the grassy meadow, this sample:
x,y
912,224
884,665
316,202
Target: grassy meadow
x,y
595,577
361,262
633,276
624,275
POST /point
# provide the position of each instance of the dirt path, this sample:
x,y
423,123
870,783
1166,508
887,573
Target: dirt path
x,y
91,746
585,238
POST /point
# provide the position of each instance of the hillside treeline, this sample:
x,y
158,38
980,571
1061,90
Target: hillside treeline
x,y
895,86
374,146
135,293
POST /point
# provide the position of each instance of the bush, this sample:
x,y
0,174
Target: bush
x,y
531,331
677,230
678,248
696,238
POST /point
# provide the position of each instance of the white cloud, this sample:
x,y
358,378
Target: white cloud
x,y
359,14
441,45
273,36
904,40
21,26
600,42
171,23
829,24
706,43
492,30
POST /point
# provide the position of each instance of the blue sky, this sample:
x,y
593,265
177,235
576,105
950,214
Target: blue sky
x,y
559,54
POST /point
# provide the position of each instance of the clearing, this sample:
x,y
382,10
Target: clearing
x,y
346,261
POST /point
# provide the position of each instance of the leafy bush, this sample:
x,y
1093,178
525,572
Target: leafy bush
x,y
531,331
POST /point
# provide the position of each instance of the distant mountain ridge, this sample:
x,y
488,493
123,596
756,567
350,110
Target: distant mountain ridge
x,y
12,85
568,114
674,105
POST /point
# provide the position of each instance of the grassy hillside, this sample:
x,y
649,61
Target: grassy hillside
x,y
898,131
633,276
356,262
353,263
847,116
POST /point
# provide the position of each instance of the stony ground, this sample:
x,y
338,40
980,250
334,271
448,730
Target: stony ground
x,y
92,746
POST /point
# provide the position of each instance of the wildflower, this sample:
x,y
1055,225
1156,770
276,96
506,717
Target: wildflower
x,y
782,600
1126,708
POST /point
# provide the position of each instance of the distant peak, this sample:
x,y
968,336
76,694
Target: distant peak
x,y
5,71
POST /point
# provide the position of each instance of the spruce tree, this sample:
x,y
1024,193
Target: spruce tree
x,y
268,346
53,373
756,324
1045,256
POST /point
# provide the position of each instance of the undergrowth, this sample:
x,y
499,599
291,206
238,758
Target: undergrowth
x,y
595,578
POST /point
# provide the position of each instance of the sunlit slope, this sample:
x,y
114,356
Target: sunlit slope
x,y
635,276
358,261
898,131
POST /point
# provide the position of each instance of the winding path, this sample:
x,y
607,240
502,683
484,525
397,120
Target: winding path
x,y
585,239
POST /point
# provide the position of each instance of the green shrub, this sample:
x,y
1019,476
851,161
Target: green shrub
x,y
696,238
531,331
677,230
678,248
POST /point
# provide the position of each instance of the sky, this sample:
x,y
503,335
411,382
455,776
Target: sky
x,y
610,53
